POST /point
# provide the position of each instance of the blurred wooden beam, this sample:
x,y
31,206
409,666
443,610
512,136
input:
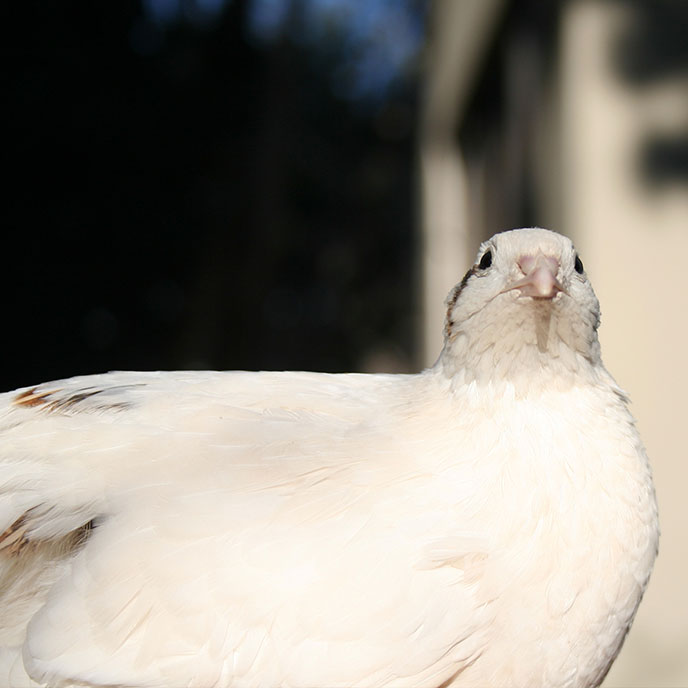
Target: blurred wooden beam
x,y
459,35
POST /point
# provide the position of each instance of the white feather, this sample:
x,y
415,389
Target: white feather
x,y
490,521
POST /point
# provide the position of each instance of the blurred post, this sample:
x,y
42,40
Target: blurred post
x,y
459,33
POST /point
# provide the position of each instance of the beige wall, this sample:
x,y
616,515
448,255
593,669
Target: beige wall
x,y
634,242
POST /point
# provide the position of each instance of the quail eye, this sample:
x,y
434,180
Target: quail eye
x,y
486,260
578,265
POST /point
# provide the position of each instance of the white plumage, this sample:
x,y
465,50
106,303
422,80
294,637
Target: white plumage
x,y
490,521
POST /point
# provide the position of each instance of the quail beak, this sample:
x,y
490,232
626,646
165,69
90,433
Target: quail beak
x,y
540,277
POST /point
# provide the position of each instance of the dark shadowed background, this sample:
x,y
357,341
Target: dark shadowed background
x,y
209,184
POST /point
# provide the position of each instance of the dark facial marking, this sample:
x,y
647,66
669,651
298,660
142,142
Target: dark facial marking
x,y
453,297
464,281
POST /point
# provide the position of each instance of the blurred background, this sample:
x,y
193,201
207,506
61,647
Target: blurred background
x,y
297,184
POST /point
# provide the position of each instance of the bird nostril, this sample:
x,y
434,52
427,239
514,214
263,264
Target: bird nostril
x,y
529,263
526,263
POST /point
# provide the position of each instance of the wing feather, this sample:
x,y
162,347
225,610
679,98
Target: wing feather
x,y
248,537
